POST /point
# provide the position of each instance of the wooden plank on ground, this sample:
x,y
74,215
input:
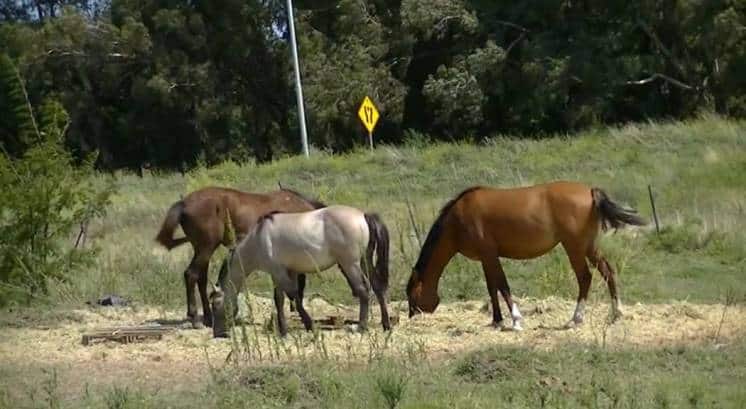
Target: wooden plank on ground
x,y
126,335
332,322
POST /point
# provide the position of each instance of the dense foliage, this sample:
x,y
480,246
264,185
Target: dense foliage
x,y
172,83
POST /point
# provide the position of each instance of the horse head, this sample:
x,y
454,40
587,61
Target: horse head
x,y
420,298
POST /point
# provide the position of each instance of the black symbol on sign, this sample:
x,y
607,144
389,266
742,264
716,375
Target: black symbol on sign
x,y
369,115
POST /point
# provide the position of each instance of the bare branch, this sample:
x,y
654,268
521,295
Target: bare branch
x,y
512,25
183,85
515,42
74,53
663,77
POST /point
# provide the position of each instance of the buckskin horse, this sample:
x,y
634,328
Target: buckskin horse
x,y
287,244
204,215
485,224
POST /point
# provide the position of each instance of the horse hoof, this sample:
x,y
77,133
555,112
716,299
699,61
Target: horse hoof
x,y
572,324
500,326
506,328
197,325
517,327
308,324
356,329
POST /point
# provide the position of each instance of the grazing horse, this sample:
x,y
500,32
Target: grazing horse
x,y
204,215
485,224
286,244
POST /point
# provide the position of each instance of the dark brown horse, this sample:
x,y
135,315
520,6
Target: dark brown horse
x,y
204,215
484,224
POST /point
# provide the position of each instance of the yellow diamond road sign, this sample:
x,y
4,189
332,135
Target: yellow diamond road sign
x,y
368,114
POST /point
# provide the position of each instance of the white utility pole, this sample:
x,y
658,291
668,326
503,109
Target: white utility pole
x,y
298,87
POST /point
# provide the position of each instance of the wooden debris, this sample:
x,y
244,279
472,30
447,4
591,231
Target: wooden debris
x,y
126,335
332,322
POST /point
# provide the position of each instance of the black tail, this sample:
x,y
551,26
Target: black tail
x,y
378,242
612,214
166,235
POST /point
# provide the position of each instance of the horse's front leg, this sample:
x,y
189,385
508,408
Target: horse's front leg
x,y
490,275
496,281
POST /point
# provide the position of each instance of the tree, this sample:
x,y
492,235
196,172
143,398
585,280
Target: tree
x,y
16,125
344,56
44,196
174,83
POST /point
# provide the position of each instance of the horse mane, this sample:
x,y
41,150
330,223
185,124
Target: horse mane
x,y
437,229
315,203
265,218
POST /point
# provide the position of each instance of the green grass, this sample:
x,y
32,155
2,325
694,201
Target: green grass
x,y
575,376
697,170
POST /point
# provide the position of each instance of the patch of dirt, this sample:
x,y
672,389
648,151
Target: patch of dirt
x,y
182,359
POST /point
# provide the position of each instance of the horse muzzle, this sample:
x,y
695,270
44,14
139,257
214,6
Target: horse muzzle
x,y
413,309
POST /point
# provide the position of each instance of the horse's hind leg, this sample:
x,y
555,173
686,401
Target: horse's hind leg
x,y
360,289
191,276
292,300
203,267
307,321
608,274
286,283
280,306
380,290
583,274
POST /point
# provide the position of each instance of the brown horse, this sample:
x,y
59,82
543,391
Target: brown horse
x,y
203,215
484,224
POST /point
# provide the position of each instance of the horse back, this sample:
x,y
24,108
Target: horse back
x,y
318,239
208,209
523,222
